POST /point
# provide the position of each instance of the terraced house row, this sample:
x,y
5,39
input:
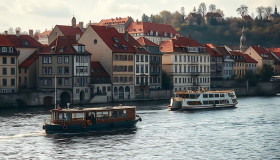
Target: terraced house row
x,y
119,60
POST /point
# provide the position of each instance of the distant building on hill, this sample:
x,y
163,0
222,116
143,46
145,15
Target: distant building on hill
x,y
275,15
119,23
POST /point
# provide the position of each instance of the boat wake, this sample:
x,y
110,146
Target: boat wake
x,y
11,137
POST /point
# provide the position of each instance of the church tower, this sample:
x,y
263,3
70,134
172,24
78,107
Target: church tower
x,y
243,41
73,22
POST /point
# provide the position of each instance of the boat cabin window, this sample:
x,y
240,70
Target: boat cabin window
x,y
113,114
90,115
216,95
194,96
78,116
211,102
102,115
211,95
205,102
122,113
224,101
230,94
222,95
194,103
205,95
63,116
217,102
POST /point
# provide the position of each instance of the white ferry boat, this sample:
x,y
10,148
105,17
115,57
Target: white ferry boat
x,y
184,100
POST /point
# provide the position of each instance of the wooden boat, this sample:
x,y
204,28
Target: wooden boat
x,y
185,100
91,119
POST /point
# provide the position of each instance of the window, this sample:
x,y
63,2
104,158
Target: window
x,y
4,49
130,69
50,60
122,113
4,71
116,57
66,59
95,41
44,70
66,82
102,115
49,70
59,59
45,60
13,72
175,58
12,60
78,116
4,60
11,49
13,82
205,95
59,70
4,82
66,70
59,81
146,58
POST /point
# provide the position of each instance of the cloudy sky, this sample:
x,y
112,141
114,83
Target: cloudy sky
x,y
45,14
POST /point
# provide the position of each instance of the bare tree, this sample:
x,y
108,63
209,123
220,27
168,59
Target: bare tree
x,y
267,11
260,11
183,13
18,29
221,12
202,9
212,8
11,30
242,10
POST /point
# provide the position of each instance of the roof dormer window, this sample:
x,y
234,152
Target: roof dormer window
x,y
165,34
61,49
24,43
53,48
11,49
171,34
156,33
151,33
4,49
116,40
124,47
116,46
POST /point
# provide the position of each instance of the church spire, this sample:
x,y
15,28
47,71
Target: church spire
x,y
243,41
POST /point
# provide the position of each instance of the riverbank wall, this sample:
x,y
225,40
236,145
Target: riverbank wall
x,y
29,98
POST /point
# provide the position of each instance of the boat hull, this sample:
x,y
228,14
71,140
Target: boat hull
x,y
207,107
58,128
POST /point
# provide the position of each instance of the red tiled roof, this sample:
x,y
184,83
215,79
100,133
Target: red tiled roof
x,y
237,56
249,59
277,54
145,42
5,42
113,39
28,61
134,43
178,42
213,51
65,42
97,70
211,45
147,27
262,51
20,41
117,21
213,14
223,51
274,49
70,31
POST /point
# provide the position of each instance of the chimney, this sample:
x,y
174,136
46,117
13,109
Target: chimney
x,y
31,32
17,33
6,33
126,35
81,25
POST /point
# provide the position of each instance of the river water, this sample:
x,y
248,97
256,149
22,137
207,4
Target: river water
x,y
250,131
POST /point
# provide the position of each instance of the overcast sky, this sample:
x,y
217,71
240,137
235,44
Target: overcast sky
x,y
45,14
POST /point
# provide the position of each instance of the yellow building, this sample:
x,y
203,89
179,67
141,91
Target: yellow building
x,y
8,66
239,64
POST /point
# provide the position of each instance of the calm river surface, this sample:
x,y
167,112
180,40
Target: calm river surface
x,y
250,131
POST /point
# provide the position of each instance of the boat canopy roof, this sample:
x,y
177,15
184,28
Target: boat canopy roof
x,y
202,92
93,109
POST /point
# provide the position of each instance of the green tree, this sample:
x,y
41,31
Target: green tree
x,y
145,18
267,72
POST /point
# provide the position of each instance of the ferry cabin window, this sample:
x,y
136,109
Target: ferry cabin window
x,y
102,115
205,95
211,102
78,116
194,96
222,95
211,95
216,95
122,113
217,102
194,103
90,115
205,102
113,114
